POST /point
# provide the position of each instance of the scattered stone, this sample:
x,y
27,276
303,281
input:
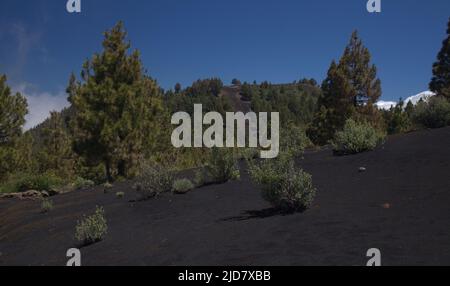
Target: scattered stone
x,y
386,206
31,194
53,192
45,194
11,196
362,169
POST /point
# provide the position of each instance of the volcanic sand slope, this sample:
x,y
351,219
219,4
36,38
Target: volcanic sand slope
x,y
399,205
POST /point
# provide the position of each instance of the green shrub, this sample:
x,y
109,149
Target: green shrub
x,y
248,153
355,138
93,228
222,166
199,178
433,114
293,140
152,181
95,174
46,205
25,182
182,186
397,120
81,183
120,195
284,186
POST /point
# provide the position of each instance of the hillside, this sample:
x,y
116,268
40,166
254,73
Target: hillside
x,y
399,205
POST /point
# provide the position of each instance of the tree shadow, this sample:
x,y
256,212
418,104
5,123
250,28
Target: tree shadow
x,y
257,214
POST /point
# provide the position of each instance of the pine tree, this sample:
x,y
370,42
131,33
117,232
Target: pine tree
x,y
13,109
350,90
116,104
56,151
356,63
440,82
177,87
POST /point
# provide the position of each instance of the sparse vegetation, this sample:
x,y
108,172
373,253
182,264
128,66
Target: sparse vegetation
x,y
356,137
222,166
152,181
120,195
81,183
433,114
92,229
26,182
284,186
182,186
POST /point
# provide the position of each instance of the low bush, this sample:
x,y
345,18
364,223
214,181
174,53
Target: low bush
x,y
92,229
182,186
120,195
25,182
222,166
294,140
356,138
81,183
152,181
46,205
107,187
433,114
285,187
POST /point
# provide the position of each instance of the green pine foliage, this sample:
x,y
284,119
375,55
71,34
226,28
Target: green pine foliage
x,y
350,91
398,119
117,107
15,148
440,82
433,114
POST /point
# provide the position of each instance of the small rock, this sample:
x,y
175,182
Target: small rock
x,y
362,169
386,206
45,194
53,192
31,194
11,196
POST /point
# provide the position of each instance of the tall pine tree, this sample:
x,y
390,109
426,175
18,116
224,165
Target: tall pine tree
x,y
115,106
350,91
440,82
13,108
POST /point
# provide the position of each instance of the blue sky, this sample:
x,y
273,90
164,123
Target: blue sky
x,y
184,40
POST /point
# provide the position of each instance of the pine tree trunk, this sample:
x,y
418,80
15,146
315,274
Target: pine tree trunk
x,y
108,171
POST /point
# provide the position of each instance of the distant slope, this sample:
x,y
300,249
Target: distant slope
x,y
233,94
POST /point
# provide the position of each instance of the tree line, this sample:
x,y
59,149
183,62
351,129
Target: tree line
x,y
120,117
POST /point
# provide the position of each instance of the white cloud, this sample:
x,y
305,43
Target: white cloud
x,y
385,105
40,104
26,41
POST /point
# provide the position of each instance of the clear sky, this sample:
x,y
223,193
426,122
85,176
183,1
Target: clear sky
x,y
184,40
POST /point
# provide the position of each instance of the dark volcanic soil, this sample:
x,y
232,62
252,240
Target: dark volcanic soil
x,y
399,205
